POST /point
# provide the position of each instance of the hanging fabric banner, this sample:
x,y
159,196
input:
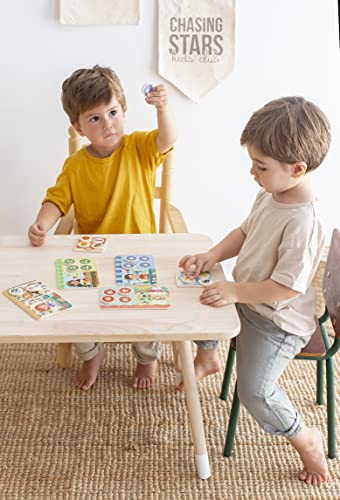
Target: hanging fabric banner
x,y
196,43
99,12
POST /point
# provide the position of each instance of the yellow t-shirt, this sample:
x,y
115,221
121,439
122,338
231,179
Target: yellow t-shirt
x,y
111,195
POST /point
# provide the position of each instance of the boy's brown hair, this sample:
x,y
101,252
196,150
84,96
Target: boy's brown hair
x,y
87,88
289,129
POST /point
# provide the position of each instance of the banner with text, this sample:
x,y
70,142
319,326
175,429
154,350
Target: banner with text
x,y
196,43
99,12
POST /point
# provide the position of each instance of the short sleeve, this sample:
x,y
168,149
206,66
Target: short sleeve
x,y
147,149
294,268
60,194
299,253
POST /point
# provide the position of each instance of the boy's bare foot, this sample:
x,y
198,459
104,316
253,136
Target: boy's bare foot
x,y
206,363
145,375
308,444
87,374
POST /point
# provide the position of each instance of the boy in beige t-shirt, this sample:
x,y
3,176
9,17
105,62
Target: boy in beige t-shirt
x,y
279,247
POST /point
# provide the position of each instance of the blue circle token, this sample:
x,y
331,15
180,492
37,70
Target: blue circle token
x,y
147,87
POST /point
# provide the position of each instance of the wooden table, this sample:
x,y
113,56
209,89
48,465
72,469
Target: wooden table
x,y
186,320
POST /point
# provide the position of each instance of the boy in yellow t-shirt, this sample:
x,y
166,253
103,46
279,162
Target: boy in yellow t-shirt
x,y
111,184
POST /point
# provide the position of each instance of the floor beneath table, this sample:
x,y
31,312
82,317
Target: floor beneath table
x,y
115,443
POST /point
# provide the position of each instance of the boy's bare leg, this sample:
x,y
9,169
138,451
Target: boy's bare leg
x,y
145,375
308,443
206,363
87,374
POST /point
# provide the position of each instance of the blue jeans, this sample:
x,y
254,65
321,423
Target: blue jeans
x,y
263,351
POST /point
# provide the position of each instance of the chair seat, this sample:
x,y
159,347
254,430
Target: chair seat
x,y
316,346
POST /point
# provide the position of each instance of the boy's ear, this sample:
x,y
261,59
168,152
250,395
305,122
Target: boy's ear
x,y
299,169
76,126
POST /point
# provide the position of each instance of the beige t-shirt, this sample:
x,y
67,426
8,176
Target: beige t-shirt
x,y
284,243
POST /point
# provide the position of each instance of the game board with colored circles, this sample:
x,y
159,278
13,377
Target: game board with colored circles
x,y
135,270
76,272
146,297
87,243
37,299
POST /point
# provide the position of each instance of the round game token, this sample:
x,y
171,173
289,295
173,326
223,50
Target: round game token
x,y
85,238
35,287
109,291
130,257
128,265
125,299
85,261
124,290
146,88
72,268
145,264
85,268
108,298
144,258
84,244
69,261
98,240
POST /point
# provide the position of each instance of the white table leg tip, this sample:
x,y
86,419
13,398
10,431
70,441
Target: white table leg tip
x,y
202,465
179,378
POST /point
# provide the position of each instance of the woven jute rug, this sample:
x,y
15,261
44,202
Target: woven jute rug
x,y
117,443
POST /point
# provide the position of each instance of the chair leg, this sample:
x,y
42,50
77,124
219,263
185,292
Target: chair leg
x,y
227,374
64,355
319,381
235,409
331,418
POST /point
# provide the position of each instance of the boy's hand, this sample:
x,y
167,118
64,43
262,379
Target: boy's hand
x,y
36,235
202,261
219,294
158,97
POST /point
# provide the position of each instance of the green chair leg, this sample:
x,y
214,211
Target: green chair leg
x,y
235,409
227,374
331,408
319,381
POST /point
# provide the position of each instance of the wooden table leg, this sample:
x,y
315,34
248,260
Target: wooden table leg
x,y
177,363
194,409
64,355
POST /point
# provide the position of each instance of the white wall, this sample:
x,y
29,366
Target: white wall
x,y
283,47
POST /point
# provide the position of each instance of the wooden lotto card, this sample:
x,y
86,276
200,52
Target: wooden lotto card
x,y
141,297
135,270
184,279
90,243
74,273
37,299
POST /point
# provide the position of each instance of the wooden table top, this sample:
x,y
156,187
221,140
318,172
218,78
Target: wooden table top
x,y
185,319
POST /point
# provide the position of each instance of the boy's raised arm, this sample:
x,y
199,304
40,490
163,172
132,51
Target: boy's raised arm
x,y
166,123
47,217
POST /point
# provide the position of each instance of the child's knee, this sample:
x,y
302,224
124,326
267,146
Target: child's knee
x,y
250,397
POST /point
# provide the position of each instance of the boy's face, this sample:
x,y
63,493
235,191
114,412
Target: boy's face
x,y
103,125
272,175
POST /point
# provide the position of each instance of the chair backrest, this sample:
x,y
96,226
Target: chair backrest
x,y
162,192
331,282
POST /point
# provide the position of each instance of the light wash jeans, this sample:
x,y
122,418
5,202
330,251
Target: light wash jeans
x,y
263,351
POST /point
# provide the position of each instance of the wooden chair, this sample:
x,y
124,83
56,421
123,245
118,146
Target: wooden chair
x,y
320,349
170,220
